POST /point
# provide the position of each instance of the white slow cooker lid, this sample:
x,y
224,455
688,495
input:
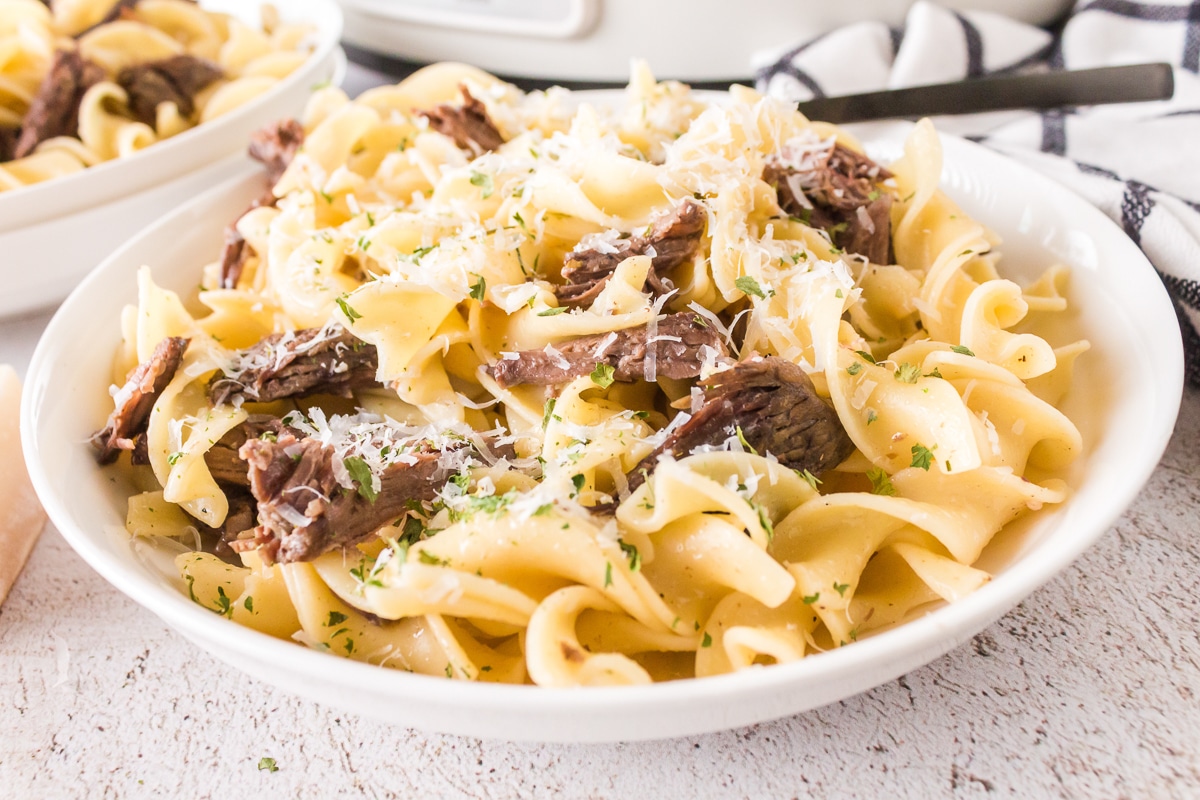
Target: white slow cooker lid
x,y
594,40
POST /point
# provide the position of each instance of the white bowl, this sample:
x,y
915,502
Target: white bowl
x,y
53,233
1125,400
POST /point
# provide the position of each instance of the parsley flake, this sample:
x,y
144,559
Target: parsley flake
x,y
335,618
854,368
604,375
607,574
635,558
880,482
741,437
429,558
484,182
809,478
577,481
267,763
747,285
809,599
962,350
361,473
922,456
550,312
478,289
706,641
908,373
548,412
866,356
841,588
347,309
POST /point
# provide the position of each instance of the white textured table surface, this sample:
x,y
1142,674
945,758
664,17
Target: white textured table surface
x,y
1089,688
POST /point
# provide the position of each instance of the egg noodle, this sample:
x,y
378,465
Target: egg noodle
x,y
539,560
245,62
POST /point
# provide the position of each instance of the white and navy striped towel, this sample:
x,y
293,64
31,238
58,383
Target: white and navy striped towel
x,y
1138,162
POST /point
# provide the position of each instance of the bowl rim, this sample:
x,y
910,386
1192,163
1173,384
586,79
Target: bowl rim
x,y
68,194
913,643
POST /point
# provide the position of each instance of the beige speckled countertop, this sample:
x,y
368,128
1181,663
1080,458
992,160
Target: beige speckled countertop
x,y
1091,687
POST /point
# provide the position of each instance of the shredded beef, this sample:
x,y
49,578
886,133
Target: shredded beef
x,y
55,109
674,239
625,351
177,80
326,360
222,459
275,145
136,398
8,143
778,410
828,189
468,124
292,478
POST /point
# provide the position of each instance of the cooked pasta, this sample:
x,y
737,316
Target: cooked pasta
x,y
507,387
87,81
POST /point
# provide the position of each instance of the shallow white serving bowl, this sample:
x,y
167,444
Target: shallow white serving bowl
x,y
1125,400
53,233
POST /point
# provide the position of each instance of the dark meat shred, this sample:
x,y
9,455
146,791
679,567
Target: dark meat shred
x,y
222,459
298,474
779,412
8,142
326,360
177,80
468,124
235,250
626,354
136,399
837,183
275,145
55,109
675,238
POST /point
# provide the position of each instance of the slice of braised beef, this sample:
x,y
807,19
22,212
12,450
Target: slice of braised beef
x,y
55,109
222,459
275,145
302,509
136,398
679,350
327,360
467,124
177,80
778,411
675,238
828,188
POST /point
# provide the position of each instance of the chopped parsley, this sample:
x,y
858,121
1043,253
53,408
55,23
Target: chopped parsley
x,y
908,373
607,574
521,221
429,558
706,641
347,309
335,618
173,459
577,481
741,437
361,473
841,588
922,456
484,182
809,478
550,312
747,285
962,350
604,375
871,416
809,599
224,603
548,413
635,558
267,763
854,368
880,482
866,356
248,604
478,289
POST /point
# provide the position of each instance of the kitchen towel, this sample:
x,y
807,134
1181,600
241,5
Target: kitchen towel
x,y
1138,162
